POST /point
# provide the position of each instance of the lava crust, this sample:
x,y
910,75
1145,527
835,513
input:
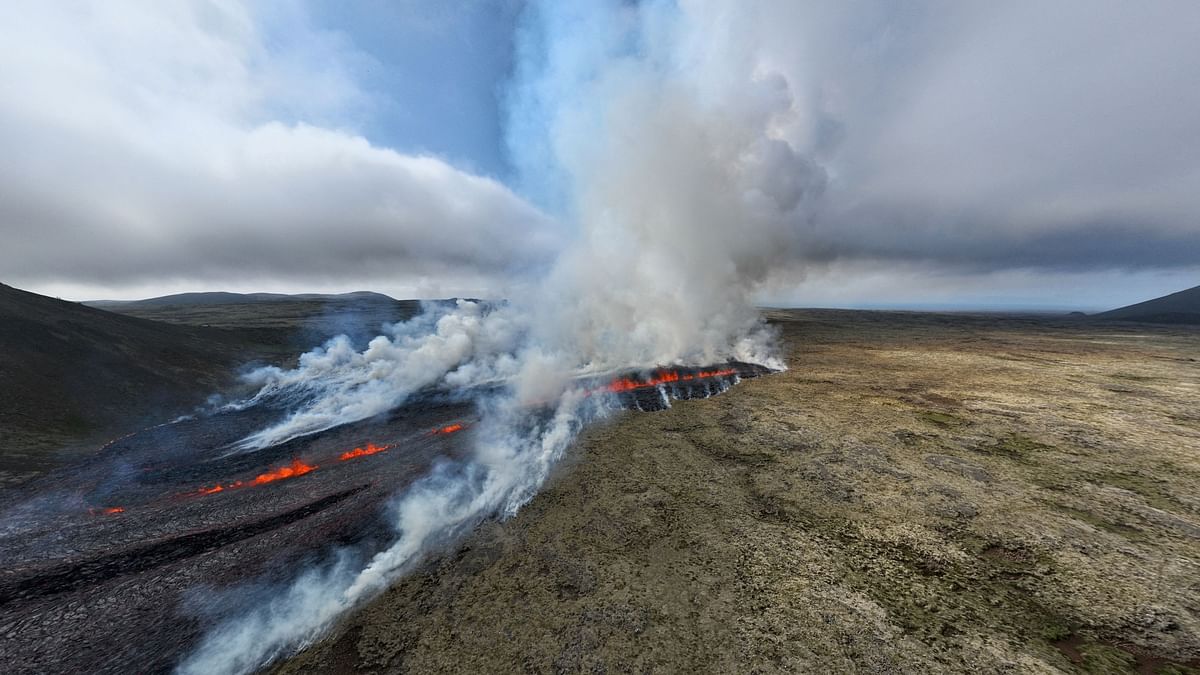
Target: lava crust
x,y
123,562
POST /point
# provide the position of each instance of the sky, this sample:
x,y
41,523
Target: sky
x,y
1019,155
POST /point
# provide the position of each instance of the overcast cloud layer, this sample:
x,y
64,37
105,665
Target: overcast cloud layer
x,y
159,141
207,145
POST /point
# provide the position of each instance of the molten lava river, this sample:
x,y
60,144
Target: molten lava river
x,y
121,563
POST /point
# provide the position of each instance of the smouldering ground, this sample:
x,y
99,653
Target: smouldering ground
x,y
918,493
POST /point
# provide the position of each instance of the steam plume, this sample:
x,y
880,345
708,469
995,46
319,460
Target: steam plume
x,y
667,138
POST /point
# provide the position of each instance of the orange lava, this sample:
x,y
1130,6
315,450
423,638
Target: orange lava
x,y
221,488
114,509
664,377
449,429
296,468
370,449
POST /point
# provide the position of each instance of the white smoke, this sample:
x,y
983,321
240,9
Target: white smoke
x,y
513,459
673,142
459,348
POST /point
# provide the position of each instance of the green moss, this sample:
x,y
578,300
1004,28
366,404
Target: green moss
x,y
1176,669
1122,529
1100,658
941,419
1014,446
1055,631
1130,377
937,600
1153,490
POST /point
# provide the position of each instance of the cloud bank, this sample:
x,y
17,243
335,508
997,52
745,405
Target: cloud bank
x,y
194,145
166,141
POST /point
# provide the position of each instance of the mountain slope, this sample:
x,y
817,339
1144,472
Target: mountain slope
x,y
291,322
226,298
1181,307
72,376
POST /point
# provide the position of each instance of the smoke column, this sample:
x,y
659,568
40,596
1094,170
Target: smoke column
x,y
669,145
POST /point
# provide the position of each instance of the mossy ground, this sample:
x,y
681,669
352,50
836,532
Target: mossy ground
x,y
917,493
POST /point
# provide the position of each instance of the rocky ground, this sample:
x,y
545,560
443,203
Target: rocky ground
x,y
917,493
123,562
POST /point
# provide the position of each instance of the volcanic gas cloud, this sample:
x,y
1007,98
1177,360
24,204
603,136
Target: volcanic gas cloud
x,y
687,180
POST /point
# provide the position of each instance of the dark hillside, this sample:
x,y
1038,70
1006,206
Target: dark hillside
x,y
1181,307
72,376
291,323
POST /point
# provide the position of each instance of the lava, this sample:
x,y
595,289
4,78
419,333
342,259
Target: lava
x,y
665,377
107,511
299,468
370,449
296,468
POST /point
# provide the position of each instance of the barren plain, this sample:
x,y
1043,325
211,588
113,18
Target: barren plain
x,y
917,493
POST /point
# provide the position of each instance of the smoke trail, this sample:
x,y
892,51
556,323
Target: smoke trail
x,y
463,347
515,455
672,141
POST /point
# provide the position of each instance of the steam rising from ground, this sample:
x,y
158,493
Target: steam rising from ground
x,y
513,457
668,135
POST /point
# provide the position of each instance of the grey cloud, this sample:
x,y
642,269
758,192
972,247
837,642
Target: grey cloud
x,y
128,159
1023,134
160,141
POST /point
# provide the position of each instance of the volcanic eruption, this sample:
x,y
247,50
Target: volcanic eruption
x,y
249,528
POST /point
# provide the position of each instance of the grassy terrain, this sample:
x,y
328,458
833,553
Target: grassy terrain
x,y
917,493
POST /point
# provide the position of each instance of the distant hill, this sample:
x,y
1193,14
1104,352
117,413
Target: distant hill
x,y
293,323
224,298
1182,307
72,376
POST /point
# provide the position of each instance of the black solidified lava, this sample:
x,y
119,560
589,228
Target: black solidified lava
x,y
66,578
123,562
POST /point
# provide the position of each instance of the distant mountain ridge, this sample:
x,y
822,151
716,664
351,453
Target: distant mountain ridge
x,y
1182,307
223,298
293,323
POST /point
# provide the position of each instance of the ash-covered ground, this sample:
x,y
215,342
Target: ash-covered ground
x,y
917,493
121,563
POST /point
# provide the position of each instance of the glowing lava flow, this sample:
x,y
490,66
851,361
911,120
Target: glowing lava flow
x,y
299,468
370,449
664,377
296,468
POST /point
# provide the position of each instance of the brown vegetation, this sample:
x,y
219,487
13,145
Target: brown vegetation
x,y
917,493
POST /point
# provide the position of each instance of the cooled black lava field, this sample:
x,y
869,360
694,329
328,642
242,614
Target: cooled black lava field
x,y
114,564
121,563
